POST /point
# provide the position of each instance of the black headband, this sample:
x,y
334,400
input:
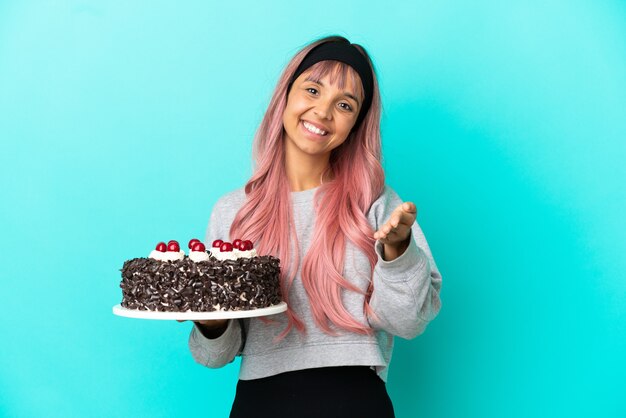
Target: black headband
x,y
345,52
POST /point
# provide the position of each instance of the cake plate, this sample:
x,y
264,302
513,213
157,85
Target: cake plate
x,y
196,316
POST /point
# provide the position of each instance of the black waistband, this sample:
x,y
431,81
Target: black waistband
x,y
345,391
323,374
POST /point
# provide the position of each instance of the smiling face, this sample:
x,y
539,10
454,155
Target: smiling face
x,y
320,114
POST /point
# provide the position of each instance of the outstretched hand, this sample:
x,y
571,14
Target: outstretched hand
x,y
395,232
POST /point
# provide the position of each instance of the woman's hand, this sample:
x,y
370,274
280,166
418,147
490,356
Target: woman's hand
x,y
211,328
394,234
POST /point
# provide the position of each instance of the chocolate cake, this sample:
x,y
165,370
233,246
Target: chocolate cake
x,y
225,278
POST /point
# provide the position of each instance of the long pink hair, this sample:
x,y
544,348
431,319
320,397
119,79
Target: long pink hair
x,y
266,218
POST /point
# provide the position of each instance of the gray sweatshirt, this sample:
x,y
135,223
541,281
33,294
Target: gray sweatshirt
x,y
405,299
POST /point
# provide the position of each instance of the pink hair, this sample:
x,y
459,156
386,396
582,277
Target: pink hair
x,y
341,205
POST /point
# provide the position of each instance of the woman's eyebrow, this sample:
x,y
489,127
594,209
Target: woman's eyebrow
x,y
346,93
352,96
309,78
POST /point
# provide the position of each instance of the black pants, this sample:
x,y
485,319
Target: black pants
x,y
326,392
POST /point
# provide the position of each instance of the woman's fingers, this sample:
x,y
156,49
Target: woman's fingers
x,y
399,224
409,207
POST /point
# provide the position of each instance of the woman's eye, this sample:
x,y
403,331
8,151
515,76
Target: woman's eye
x,y
346,106
312,90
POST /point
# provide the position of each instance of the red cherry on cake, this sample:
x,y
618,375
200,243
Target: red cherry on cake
x,y
198,246
248,245
192,242
226,246
173,246
161,247
217,243
236,243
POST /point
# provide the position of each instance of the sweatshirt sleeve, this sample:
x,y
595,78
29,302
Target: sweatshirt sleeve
x,y
218,352
406,290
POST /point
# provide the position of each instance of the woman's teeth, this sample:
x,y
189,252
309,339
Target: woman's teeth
x,y
313,129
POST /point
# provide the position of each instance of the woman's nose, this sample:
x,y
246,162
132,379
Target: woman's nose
x,y
323,109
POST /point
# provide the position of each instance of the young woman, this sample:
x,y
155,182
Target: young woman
x,y
356,269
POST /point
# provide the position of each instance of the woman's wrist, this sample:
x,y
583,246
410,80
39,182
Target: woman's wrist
x,y
213,330
393,251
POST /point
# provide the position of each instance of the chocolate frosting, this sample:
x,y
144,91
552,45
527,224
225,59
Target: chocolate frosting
x,y
205,286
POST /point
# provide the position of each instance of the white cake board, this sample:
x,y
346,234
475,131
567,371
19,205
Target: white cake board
x,y
196,316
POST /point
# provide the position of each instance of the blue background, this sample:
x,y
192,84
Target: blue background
x,y
121,123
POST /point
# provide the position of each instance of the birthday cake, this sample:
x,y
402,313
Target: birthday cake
x,y
229,277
